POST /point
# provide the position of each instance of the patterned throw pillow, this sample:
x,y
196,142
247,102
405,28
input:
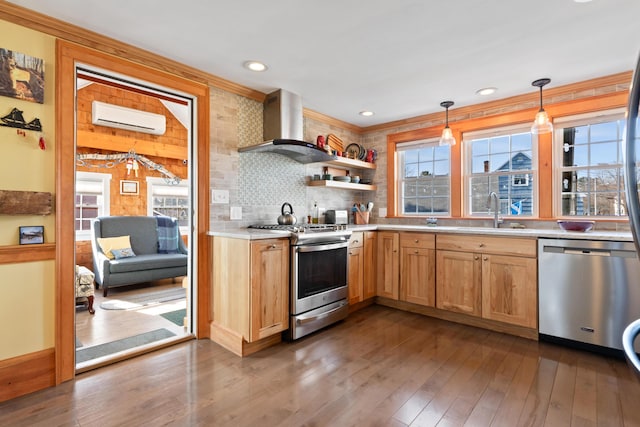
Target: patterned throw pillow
x,y
122,253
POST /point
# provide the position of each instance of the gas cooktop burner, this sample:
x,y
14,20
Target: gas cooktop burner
x,y
311,233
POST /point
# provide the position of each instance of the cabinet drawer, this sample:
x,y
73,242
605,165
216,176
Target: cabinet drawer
x,y
418,240
486,244
356,240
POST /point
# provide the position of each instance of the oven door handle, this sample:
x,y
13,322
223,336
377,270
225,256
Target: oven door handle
x,y
303,320
317,248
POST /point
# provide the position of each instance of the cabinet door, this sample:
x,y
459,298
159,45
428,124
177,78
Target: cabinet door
x,y
369,264
355,275
269,287
418,276
509,290
458,282
388,264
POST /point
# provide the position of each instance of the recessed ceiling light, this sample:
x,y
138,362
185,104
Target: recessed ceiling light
x,y
486,91
255,66
582,1
366,113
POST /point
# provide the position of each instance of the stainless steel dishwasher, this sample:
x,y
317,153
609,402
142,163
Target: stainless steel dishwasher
x,y
589,291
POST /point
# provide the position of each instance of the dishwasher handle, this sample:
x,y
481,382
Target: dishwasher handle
x,y
590,251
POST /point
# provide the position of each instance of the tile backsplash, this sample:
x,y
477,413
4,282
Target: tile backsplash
x,y
260,183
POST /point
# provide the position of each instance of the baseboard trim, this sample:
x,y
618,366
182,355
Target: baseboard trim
x,y
234,342
493,325
25,374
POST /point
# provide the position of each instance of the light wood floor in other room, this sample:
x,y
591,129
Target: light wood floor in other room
x,y
111,325
380,367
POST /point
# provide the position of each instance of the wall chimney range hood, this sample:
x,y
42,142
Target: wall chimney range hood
x,y
283,130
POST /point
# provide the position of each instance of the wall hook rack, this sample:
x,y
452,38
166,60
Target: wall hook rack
x,y
15,120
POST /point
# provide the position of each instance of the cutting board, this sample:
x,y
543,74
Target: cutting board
x,y
335,143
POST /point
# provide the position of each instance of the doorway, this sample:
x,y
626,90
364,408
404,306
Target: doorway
x,y
70,56
133,145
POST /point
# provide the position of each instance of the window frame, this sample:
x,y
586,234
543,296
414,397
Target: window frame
x,y
575,120
400,179
484,116
503,130
154,182
105,209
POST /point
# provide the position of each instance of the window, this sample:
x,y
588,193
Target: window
x,y
423,182
92,201
501,161
590,176
165,199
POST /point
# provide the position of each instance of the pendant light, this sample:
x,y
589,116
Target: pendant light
x,y
541,124
447,136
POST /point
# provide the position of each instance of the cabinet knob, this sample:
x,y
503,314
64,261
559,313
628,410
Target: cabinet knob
x,y
355,241
476,257
350,253
417,240
416,252
273,246
482,245
485,258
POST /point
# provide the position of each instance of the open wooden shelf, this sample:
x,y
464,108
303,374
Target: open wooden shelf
x,y
344,162
340,184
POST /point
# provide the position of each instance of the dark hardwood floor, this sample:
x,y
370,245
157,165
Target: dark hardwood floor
x,y
380,367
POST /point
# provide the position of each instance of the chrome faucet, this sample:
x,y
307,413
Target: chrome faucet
x,y
497,220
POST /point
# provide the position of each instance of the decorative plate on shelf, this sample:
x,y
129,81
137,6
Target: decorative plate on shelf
x,y
353,151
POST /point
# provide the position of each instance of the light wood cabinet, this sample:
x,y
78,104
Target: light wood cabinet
x,y
369,264
459,282
418,268
509,290
356,267
491,277
362,277
269,288
250,297
406,267
388,264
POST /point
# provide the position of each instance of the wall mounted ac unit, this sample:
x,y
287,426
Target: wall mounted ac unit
x,y
115,116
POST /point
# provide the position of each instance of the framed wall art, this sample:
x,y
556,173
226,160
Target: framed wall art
x,y
129,187
21,76
31,234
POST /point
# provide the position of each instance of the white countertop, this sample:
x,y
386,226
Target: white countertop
x,y
257,234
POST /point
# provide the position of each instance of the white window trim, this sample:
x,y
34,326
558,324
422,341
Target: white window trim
x,y
105,179
465,154
573,121
410,145
155,181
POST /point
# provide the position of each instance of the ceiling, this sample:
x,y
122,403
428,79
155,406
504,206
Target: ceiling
x,y
399,59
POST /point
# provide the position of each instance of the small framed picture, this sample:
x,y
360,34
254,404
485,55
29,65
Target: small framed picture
x,y
31,234
128,187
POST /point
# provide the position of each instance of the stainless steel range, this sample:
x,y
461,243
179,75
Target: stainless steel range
x,y
319,275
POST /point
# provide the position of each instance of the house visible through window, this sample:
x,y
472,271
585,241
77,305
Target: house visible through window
x,y
423,181
91,200
590,175
169,200
501,161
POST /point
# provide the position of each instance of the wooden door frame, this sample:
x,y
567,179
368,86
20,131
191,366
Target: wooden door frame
x,y
67,56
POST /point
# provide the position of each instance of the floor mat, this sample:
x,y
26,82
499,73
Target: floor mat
x,y
176,317
89,353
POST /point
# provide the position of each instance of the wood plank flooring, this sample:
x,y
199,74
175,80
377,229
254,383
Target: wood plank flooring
x,y
380,367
